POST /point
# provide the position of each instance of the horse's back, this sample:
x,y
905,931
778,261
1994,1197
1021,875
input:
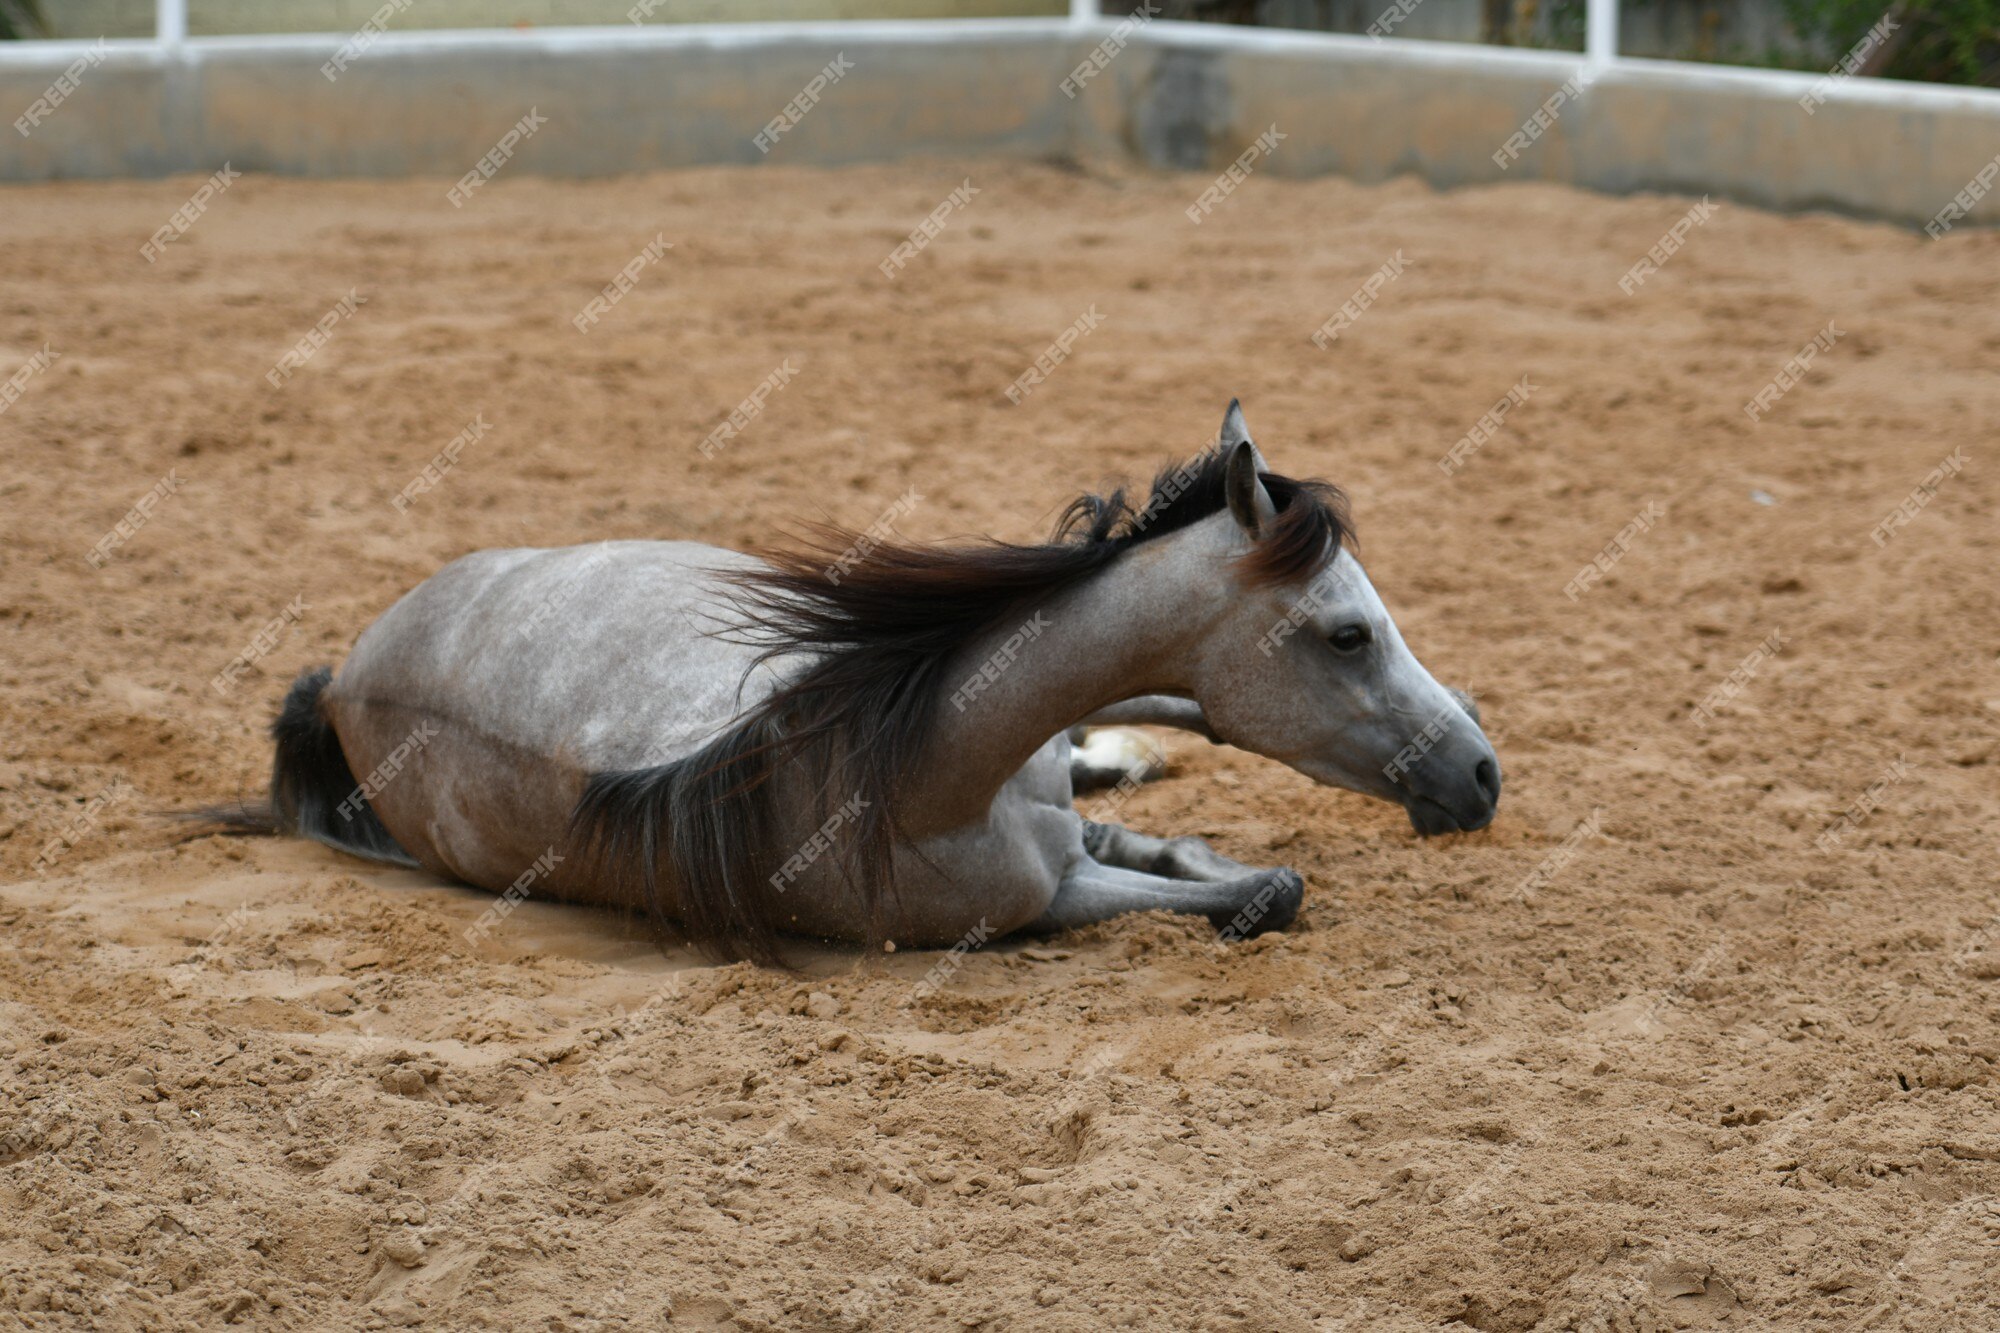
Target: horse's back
x,y
472,710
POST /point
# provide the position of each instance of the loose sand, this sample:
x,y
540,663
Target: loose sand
x,y
1699,1072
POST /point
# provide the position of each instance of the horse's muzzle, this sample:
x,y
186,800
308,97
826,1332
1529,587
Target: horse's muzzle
x,y
1469,806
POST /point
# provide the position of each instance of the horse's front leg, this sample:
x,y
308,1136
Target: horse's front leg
x,y
1249,904
1177,858
1154,710
1109,752
1113,755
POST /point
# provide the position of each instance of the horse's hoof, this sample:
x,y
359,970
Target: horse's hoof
x,y
1274,904
1111,756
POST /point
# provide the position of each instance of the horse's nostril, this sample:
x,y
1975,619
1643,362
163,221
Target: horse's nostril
x,y
1487,775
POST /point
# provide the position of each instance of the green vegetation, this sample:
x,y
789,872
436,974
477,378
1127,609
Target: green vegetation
x,y
21,19
1946,41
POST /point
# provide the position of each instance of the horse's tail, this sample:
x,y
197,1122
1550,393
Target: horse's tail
x,y
706,821
313,791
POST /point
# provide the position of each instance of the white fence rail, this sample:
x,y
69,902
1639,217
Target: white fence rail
x,y
170,25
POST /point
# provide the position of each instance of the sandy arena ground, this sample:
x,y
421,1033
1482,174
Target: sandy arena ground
x,y
1698,1072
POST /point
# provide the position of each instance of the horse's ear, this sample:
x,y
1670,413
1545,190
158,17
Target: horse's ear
x,y
1249,502
1236,431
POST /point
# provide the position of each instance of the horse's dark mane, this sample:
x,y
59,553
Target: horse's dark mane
x,y
878,639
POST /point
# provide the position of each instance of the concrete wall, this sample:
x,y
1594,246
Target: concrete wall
x,y
1179,96
1371,111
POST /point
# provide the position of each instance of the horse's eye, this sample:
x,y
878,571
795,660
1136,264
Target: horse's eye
x,y
1349,638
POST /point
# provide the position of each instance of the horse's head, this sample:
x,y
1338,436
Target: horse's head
x,y
1310,670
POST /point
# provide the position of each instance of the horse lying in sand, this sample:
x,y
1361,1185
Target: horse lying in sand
x,y
747,747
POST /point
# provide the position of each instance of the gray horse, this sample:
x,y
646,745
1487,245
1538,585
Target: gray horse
x,y
873,749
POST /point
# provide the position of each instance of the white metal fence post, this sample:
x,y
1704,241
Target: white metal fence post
x,y
170,22
1600,33
1083,11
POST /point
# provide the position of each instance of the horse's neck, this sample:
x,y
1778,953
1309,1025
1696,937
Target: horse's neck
x,y
1120,633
